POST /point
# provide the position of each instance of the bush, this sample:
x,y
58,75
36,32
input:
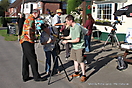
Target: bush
x,y
72,4
5,20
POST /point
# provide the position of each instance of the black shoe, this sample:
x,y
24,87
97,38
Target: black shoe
x,y
25,80
40,79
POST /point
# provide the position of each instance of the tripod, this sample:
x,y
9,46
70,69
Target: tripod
x,y
57,57
113,38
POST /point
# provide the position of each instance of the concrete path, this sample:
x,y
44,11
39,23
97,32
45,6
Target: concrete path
x,y
101,69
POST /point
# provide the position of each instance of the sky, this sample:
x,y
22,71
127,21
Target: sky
x,y
12,1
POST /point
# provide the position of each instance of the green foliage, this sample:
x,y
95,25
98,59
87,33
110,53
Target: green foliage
x,y
72,4
4,4
5,20
77,16
8,37
102,21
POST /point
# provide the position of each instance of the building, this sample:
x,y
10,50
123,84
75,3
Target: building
x,y
103,10
26,6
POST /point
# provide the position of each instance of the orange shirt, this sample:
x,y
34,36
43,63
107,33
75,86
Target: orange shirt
x,y
28,32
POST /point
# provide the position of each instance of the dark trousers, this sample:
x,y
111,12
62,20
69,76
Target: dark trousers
x,y
68,49
29,58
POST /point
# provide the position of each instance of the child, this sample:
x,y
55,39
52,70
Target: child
x,y
48,42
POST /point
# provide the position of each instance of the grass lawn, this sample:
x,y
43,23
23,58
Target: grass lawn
x,y
8,37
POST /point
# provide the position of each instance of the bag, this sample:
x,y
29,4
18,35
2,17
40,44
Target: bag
x,y
84,30
57,46
121,64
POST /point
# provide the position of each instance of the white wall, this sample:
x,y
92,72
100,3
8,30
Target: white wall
x,y
127,21
28,10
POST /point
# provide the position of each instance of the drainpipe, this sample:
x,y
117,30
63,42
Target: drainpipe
x,y
23,6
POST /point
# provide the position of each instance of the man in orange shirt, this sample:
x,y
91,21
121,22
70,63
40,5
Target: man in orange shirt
x,y
27,43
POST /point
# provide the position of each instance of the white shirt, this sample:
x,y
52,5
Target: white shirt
x,y
55,20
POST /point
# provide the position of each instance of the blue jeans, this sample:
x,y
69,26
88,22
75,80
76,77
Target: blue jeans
x,y
87,43
48,60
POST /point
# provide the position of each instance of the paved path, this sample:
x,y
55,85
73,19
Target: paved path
x,y
101,69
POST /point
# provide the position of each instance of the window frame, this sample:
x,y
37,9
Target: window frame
x,y
105,11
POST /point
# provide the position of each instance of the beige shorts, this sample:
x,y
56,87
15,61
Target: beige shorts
x,y
77,55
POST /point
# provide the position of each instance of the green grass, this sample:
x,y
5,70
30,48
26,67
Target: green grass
x,y
8,37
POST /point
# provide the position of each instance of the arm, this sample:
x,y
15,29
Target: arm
x,y
59,24
44,43
88,24
71,41
67,37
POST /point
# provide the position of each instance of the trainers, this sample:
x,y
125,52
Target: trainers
x,y
83,78
74,75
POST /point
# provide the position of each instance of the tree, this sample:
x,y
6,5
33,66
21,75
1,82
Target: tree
x,y
4,4
72,4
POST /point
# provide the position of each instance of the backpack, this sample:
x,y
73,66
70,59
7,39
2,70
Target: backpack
x,y
121,64
84,30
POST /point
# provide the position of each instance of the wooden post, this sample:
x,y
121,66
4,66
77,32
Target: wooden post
x,y
84,13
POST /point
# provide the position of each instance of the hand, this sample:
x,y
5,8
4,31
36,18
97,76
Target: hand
x,y
49,40
62,37
64,42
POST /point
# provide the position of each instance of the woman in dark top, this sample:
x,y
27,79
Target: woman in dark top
x,y
20,22
66,31
89,24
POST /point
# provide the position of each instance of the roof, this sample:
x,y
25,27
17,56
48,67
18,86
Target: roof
x,y
18,2
15,4
50,0
109,1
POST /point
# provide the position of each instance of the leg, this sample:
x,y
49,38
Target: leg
x,y
67,50
29,52
87,43
73,57
25,68
54,55
76,65
80,59
48,61
83,68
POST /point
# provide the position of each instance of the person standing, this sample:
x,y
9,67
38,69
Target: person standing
x,y
20,22
48,42
89,25
76,37
65,30
27,44
57,19
38,23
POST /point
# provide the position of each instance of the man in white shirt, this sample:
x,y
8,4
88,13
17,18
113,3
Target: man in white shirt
x,y
57,19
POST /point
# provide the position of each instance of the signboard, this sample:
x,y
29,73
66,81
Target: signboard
x,y
11,29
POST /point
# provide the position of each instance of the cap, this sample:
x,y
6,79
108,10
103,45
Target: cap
x,y
58,11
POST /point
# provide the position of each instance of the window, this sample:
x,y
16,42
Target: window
x,y
26,6
104,11
39,4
